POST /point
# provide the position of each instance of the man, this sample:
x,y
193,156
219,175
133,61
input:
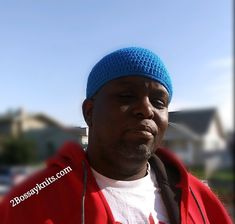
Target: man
x,y
123,176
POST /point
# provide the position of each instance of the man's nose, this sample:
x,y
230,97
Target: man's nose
x,y
143,108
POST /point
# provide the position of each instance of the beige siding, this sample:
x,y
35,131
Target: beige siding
x,y
32,123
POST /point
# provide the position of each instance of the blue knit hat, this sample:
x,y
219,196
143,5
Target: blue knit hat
x,y
132,61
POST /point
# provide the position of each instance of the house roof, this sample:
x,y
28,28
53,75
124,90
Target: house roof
x,y
179,131
19,114
197,120
47,119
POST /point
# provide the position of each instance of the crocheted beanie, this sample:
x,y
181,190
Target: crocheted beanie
x,y
132,61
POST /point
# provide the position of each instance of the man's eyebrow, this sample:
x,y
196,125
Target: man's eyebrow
x,y
155,91
160,92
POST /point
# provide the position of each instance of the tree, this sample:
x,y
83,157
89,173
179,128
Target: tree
x,y
18,151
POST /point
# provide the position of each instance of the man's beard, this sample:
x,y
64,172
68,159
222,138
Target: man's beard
x,y
138,152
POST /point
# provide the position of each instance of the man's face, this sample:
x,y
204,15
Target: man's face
x,y
127,120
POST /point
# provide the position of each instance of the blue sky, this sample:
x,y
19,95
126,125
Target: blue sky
x,y
48,47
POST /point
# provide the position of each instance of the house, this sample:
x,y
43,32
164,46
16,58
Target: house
x,y
195,134
46,132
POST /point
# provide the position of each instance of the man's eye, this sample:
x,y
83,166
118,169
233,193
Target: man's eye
x,y
158,103
126,95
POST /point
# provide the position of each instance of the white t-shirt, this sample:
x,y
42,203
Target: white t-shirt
x,y
134,202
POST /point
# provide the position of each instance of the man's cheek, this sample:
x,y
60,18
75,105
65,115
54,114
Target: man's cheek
x,y
124,108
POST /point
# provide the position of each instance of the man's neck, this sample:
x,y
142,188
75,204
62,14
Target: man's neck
x,y
125,172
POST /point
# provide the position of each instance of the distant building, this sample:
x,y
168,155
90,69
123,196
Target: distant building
x,y
194,134
47,133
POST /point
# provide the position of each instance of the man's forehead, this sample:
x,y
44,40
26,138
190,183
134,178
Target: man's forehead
x,y
136,83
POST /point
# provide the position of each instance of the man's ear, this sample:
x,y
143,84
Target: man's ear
x,y
87,108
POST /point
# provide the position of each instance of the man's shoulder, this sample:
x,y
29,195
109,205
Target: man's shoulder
x,y
199,186
67,159
32,180
208,201
48,188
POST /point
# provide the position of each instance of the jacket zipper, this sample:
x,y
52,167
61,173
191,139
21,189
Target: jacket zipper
x,y
84,191
195,199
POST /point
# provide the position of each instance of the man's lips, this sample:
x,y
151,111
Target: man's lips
x,y
144,128
142,131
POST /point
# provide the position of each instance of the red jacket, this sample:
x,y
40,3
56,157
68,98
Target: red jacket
x,y
75,198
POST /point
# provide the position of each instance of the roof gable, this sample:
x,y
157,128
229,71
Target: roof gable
x,y
197,120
